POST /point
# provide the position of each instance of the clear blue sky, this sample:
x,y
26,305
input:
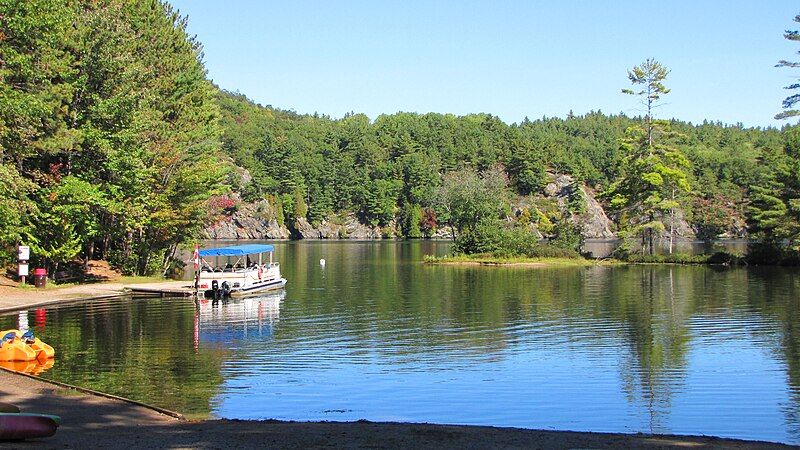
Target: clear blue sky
x,y
508,58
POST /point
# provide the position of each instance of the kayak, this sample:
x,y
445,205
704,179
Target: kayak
x,y
15,427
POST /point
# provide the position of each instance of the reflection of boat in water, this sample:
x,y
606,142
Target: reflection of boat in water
x,y
234,319
30,367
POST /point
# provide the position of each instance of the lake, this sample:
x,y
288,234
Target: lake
x,y
377,335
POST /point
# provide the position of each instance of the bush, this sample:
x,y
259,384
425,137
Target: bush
x,y
771,254
497,239
567,235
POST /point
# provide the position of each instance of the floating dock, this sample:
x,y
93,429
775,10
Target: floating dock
x,y
166,289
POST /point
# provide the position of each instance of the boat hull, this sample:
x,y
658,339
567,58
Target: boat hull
x,y
16,351
276,284
19,426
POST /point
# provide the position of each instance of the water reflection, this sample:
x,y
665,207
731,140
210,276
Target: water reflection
x,y
376,335
222,322
602,248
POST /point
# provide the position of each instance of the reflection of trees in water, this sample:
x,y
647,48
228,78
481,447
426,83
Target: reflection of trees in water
x,y
138,349
776,294
469,313
654,305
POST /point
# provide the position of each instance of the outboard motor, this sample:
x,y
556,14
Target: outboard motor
x,y
226,289
215,289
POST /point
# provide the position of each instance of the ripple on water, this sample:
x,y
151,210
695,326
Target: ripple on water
x,y
652,349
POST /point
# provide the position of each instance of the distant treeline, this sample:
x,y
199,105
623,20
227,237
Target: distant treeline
x,y
114,144
395,163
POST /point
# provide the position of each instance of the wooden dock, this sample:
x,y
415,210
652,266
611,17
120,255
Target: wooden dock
x,y
165,289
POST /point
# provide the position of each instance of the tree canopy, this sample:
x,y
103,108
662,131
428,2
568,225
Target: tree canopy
x,y
114,144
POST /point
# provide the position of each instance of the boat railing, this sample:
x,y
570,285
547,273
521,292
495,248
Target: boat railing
x,y
237,268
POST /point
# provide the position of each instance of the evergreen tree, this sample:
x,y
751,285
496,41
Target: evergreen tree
x,y
650,76
790,101
654,177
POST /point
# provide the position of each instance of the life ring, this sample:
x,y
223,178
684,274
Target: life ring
x,y
260,272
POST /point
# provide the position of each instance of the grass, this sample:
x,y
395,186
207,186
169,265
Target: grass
x,y
677,258
141,279
488,259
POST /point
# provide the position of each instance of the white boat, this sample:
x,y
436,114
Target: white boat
x,y
243,271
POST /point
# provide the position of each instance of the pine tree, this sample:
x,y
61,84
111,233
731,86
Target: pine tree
x,y
790,101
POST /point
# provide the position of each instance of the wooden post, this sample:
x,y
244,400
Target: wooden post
x,y
196,262
23,255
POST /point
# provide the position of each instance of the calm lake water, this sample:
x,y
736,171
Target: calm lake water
x,y
377,335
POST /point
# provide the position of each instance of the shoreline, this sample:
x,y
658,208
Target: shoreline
x,y
85,413
90,421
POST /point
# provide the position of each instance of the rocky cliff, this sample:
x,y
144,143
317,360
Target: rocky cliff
x,y
562,196
249,221
342,228
588,213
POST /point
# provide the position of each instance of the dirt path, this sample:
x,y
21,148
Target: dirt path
x,y
95,422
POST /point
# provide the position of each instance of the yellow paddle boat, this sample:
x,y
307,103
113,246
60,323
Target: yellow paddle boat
x,y
18,346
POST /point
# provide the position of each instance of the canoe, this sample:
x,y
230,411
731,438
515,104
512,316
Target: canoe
x,y
15,427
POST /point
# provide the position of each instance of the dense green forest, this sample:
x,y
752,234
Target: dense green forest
x,y
114,144
395,166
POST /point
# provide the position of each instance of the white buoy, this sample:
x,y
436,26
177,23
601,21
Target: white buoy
x,y
322,262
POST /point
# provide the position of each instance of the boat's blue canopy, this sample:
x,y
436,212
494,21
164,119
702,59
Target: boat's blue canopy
x,y
237,250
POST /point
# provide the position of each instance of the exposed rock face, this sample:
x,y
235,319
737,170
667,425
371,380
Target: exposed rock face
x,y
682,227
250,221
351,228
258,220
304,230
443,232
596,225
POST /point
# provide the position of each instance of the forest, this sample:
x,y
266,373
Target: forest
x,y
114,144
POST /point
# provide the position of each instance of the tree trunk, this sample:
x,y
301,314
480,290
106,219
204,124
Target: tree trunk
x,y
672,223
644,242
168,257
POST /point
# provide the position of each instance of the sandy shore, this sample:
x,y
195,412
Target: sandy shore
x,y
90,421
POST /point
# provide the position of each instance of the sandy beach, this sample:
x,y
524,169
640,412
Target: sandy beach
x,y
91,421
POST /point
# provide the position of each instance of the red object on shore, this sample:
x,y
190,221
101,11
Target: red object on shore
x,y
40,277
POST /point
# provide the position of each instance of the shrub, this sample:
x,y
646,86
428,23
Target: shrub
x,y
497,239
